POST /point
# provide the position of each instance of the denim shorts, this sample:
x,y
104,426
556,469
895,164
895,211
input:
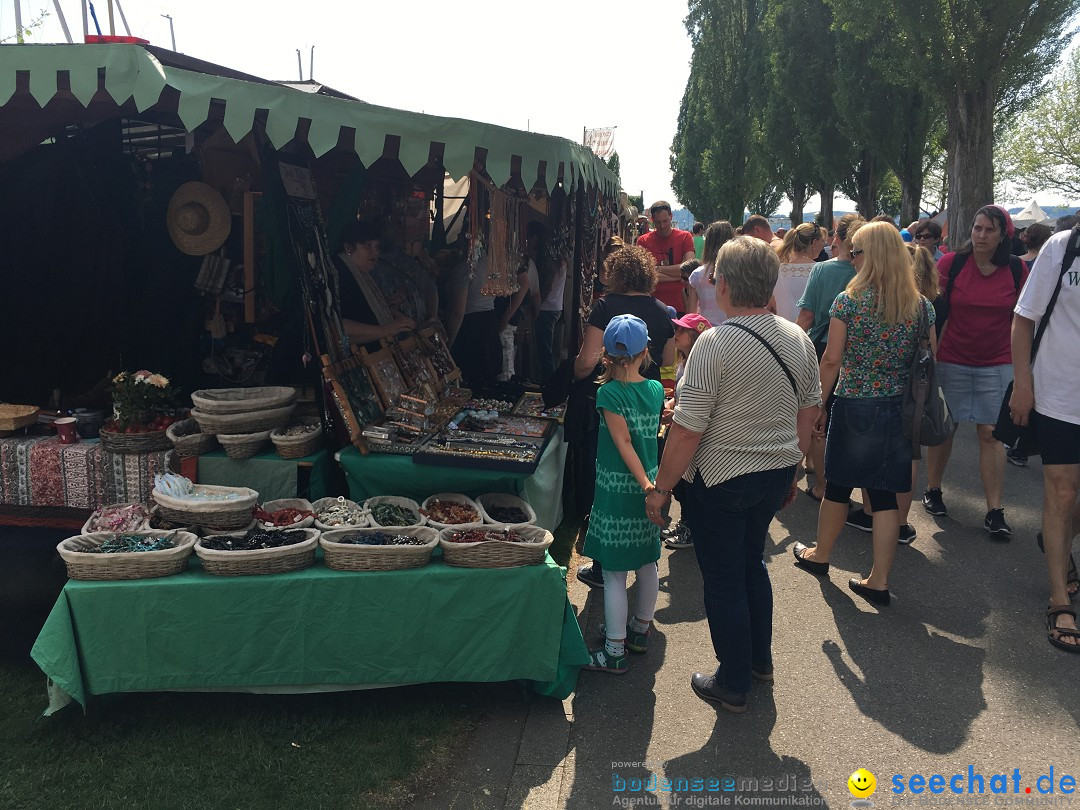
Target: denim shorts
x,y
974,393
865,445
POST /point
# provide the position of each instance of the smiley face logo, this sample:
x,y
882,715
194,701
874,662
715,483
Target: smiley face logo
x,y
862,783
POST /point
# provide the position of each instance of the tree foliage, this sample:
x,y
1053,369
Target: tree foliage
x,y
613,163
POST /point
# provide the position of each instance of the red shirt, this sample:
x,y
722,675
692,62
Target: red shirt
x,y
979,328
669,250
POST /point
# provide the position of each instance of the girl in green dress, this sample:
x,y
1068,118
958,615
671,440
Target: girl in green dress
x,y
620,535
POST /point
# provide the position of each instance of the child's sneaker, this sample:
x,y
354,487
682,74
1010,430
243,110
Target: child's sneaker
x,y
603,661
635,642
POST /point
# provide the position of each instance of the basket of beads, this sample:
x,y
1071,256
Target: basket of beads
x,y
338,513
285,513
385,511
495,546
184,503
113,555
120,518
258,551
373,549
451,510
504,508
297,441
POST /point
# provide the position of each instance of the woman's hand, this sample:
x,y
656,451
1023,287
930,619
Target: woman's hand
x,y
399,325
656,504
819,423
668,411
793,491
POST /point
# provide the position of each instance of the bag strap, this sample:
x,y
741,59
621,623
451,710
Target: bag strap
x,y
774,353
1071,252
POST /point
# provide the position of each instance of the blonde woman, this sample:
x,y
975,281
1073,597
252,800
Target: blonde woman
x,y
869,364
798,255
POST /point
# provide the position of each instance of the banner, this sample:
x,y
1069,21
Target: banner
x,y
601,141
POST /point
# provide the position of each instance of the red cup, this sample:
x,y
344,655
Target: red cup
x,y
65,428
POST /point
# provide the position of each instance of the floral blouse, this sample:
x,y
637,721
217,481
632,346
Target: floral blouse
x,y
877,356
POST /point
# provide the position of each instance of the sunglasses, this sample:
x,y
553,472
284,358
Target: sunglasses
x,y
857,252
924,237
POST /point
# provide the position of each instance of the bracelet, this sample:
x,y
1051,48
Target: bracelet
x,y
661,491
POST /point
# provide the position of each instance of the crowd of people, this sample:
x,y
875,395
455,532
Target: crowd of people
x,y
796,352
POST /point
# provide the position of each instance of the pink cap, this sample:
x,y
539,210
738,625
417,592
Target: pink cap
x,y
699,323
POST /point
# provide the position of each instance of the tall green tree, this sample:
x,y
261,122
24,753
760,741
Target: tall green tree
x,y
981,58
716,155
613,163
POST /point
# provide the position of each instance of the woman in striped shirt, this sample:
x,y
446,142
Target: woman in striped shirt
x,y
747,402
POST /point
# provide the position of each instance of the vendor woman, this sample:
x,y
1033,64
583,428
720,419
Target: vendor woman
x,y
364,312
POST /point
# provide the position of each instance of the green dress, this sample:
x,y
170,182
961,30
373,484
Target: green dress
x,y
620,536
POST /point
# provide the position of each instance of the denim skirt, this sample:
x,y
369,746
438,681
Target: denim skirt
x,y
974,393
865,445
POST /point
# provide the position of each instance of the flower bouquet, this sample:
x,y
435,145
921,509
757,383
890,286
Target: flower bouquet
x,y
143,405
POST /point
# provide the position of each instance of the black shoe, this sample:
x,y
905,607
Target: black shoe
x,y
907,535
763,673
1014,456
591,576
678,537
933,503
706,688
860,520
816,568
995,524
871,595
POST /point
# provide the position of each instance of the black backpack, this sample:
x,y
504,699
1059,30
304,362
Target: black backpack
x,y
1016,267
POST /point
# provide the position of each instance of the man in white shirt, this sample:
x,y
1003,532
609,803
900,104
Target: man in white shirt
x,y
1047,393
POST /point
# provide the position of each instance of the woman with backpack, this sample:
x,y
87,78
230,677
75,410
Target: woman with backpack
x,y
980,285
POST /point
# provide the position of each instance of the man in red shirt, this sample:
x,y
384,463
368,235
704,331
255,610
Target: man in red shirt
x,y
670,247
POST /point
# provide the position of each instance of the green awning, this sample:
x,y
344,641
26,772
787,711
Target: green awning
x,y
133,74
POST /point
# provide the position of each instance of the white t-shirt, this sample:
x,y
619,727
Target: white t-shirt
x,y
790,286
1057,364
554,300
706,295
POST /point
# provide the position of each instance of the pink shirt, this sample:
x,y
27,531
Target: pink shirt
x,y
979,328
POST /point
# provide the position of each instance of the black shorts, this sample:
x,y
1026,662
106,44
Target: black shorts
x,y
1059,441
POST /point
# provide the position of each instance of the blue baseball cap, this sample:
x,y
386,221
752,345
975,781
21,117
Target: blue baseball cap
x,y
905,234
626,336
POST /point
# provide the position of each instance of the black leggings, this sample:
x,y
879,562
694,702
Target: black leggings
x,y
880,500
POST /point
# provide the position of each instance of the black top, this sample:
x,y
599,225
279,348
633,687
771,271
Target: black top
x,y
354,304
656,317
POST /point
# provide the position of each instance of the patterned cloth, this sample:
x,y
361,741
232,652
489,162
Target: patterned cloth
x,y
40,471
877,356
620,536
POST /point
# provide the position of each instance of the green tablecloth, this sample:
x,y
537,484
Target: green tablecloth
x,y
385,474
310,630
267,473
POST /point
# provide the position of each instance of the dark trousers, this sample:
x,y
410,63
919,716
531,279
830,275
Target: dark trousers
x,y
730,523
546,322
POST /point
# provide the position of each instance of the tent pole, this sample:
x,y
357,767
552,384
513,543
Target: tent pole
x,y
63,20
85,22
112,23
123,19
18,22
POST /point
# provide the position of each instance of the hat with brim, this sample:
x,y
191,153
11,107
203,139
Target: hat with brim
x,y
199,219
626,336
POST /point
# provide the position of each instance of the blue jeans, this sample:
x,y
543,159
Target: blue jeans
x,y
729,523
546,322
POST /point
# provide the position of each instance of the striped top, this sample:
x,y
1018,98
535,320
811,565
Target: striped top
x,y
735,393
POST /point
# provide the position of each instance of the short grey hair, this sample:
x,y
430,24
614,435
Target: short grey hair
x,y
750,268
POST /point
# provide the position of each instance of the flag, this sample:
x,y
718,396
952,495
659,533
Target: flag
x,y
601,141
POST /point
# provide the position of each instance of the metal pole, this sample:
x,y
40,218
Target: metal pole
x,y
63,21
112,22
18,22
123,19
85,22
299,64
311,66
172,31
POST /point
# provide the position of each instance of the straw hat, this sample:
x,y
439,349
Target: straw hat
x,y
199,219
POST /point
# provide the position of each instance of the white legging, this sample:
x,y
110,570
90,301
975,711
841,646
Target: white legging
x,y
615,603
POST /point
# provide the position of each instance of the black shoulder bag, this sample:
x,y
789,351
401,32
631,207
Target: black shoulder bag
x,y
1006,430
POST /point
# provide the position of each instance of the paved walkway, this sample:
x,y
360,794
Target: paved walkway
x,y
955,673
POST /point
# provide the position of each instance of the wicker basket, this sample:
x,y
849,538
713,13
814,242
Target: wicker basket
x,y
297,446
261,561
250,422
189,440
504,499
302,504
242,400
497,553
351,557
150,442
322,503
16,417
88,529
231,514
207,532
457,498
156,523
396,500
243,445
124,565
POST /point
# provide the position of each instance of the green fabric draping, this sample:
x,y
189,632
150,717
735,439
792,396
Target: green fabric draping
x,y
383,474
133,72
331,629
267,473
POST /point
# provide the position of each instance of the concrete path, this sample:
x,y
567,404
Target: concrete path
x,y
956,673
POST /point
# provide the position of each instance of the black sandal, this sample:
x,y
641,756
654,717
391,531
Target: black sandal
x,y
1054,634
1072,578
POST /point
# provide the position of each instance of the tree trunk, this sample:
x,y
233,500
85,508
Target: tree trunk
x,y
798,203
910,200
866,185
970,147
826,215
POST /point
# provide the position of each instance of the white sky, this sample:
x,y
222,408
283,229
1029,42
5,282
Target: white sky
x,y
538,66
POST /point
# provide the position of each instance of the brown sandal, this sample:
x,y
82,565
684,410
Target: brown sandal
x,y
1055,634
